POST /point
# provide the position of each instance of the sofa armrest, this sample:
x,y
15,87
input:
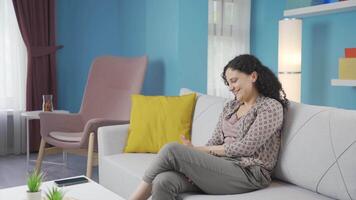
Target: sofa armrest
x,y
112,139
94,124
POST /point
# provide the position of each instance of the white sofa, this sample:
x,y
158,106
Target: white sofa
x,y
317,158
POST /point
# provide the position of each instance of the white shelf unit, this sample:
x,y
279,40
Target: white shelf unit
x,y
340,82
329,8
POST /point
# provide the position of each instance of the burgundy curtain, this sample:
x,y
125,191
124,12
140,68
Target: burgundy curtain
x,y
36,19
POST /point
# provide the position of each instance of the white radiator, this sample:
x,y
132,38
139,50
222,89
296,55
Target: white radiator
x,y
12,133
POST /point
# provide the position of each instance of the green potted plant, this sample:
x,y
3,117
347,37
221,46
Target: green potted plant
x,y
34,181
55,194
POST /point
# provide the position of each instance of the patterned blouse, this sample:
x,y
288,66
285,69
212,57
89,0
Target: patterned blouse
x,y
253,139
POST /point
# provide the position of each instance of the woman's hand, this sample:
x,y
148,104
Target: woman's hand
x,y
214,150
185,141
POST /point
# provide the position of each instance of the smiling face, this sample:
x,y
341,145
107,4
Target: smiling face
x,y
241,84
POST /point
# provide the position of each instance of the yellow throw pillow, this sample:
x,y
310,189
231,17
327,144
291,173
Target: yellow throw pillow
x,y
157,120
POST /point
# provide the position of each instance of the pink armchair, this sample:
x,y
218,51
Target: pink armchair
x,y
106,101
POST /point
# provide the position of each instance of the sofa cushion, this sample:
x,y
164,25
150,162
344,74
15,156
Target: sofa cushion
x,y
126,171
67,136
158,120
276,191
123,172
318,148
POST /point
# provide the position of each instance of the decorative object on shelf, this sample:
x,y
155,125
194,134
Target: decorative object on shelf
x,y
347,65
290,57
47,104
347,68
34,182
293,4
317,2
350,52
330,1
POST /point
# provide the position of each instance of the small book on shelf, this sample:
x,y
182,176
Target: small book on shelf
x,y
350,52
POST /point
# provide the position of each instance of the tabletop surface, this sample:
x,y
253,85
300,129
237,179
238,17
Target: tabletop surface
x,y
83,191
35,114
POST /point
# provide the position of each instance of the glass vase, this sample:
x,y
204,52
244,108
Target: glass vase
x,y
47,104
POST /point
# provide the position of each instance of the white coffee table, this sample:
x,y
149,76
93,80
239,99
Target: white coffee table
x,y
30,115
84,191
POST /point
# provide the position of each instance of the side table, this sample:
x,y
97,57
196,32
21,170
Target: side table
x,y
30,115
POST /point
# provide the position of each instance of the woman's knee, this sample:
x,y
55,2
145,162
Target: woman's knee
x,y
170,148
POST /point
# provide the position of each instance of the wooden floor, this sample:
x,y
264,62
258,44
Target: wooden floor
x,y
13,168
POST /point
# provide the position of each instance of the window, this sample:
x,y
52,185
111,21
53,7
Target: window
x,y
13,60
228,36
13,64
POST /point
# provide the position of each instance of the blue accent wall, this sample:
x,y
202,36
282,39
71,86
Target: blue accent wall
x,y
193,44
323,42
87,29
173,33
264,31
131,33
162,19
175,39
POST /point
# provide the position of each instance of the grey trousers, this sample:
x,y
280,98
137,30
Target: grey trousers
x,y
180,169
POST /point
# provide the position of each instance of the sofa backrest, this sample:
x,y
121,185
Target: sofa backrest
x,y
318,145
206,115
318,150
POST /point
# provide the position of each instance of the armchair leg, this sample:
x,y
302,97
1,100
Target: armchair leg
x,y
90,155
40,155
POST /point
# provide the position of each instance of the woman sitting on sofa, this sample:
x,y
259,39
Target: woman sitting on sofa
x,y
243,149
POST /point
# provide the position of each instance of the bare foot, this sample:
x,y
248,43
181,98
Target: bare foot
x,y
142,192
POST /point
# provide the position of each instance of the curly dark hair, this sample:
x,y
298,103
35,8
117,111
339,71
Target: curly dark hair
x,y
266,84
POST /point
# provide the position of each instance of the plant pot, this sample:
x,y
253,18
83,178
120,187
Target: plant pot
x,y
34,195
